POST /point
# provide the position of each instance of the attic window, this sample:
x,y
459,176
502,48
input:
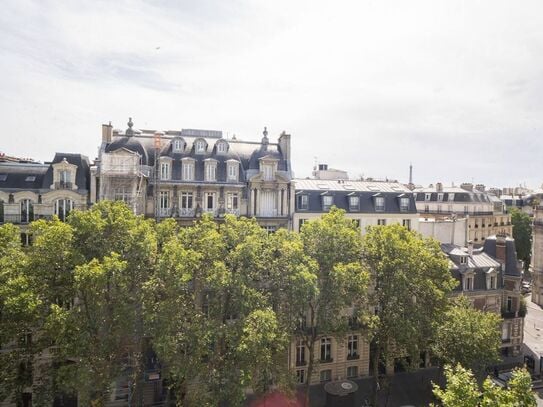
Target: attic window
x,y
178,145
200,146
222,147
3,177
463,259
30,178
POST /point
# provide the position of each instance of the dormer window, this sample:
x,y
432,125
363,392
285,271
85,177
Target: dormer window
x,y
302,202
200,147
440,196
232,170
354,203
327,202
178,145
222,147
165,170
379,203
463,260
211,170
451,197
468,282
427,197
404,204
267,172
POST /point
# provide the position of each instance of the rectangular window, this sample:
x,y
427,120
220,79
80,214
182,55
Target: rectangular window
x,y
164,203
267,172
404,204
209,201
302,202
357,223
326,375
300,376
451,197
232,172
327,201
440,196
121,194
301,222
506,331
188,171
407,223
270,229
354,203
509,304
427,197
326,350
492,282
379,203
352,371
300,353
211,172
468,283
439,209
186,200
164,170
381,222
352,347
232,201
426,208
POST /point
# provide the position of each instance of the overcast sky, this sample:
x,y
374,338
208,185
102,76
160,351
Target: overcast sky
x,y
455,87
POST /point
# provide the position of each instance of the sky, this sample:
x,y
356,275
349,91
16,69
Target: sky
x,y
368,86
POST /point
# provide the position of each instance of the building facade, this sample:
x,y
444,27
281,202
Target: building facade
x,y
490,277
485,213
537,256
184,174
30,190
366,203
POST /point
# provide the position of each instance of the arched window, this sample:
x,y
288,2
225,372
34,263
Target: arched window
x,y
27,211
63,208
200,146
222,147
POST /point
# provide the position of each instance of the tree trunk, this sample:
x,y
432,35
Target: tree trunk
x,y
311,348
376,356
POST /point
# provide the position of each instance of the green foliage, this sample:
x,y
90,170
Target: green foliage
x,y
412,281
462,390
468,337
522,233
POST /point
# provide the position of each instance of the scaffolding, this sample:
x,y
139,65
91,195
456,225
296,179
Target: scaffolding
x,y
123,177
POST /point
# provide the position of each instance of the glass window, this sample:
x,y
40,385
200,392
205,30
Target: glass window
x,y
200,146
326,375
164,203
300,376
326,349
27,211
267,171
468,283
188,171
222,147
233,171
300,353
407,223
352,346
381,222
121,194
186,200
303,202
440,196
209,201
354,203
63,208
178,145
352,371
164,170
379,203
404,204
211,171
232,201
327,202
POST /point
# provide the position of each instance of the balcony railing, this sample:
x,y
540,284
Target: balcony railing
x,y
301,363
353,356
186,212
327,360
63,185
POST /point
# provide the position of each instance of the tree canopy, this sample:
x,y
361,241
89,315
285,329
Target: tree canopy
x,y
522,233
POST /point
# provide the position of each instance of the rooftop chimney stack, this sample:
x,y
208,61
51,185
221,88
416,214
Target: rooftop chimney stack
x,y
470,248
107,133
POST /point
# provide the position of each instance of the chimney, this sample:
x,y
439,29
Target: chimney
x,y
107,133
480,187
439,187
467,186
470,248
500,248
284,146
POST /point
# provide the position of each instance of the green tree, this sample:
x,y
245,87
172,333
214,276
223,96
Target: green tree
x,y
19,312
209,314
319,283
468,337
462,390
522,233
411,280
115,254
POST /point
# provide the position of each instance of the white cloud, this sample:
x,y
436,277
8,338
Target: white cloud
x,y
369,86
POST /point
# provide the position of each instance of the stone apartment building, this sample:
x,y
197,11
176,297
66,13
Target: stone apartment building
x,y
537,256
183,174
30,190
485,213
490,276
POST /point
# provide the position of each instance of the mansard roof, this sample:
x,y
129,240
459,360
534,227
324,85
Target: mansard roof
x,y
511,263
366,191
459,195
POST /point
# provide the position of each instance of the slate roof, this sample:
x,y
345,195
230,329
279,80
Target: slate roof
x,y
460,195
341,190
38,177
248,153
511,264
